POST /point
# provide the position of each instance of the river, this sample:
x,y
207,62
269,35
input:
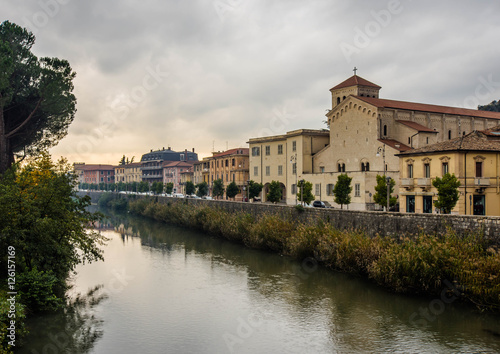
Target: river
x,y
165,289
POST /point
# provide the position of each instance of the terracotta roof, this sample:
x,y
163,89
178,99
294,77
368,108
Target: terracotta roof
x,y
353,81
94,167
233,152
395,144
474,141
416,126
178,163
495,131
422,107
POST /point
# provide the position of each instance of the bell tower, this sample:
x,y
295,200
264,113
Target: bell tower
x,y
354,86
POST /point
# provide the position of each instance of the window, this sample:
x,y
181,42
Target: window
x,y
317,189
329,189
294,189
365,166
227,163
268,170
268,150
322,169
255,151
280,170
427,170
294,146
256,171
427,204
357,190
233,162
410,171
410,203
280,149
427,141
479,169
182,157
294,168
234,177
217,163
449,134
341,167
445,168
385,130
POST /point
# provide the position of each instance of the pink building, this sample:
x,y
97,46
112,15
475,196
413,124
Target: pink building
x,y
172,173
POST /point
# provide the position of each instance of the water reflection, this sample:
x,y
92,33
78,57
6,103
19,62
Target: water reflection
x,y
185,292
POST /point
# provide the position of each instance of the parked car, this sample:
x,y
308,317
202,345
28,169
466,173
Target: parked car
x,y
318,204
178,195
207,197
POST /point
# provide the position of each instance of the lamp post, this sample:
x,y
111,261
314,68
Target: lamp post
x,y
388,181
381,149
293,159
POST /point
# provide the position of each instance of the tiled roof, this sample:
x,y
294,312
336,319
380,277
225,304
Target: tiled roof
x,y
495,131
474,141
178,164
94,167
353,81
421,107
416,126
395,144
233,152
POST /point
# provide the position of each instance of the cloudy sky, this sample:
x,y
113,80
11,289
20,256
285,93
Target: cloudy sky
x,y
210,74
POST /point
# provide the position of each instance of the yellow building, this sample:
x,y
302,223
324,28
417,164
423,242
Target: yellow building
x,y
229,166
128,173
474,159
285,158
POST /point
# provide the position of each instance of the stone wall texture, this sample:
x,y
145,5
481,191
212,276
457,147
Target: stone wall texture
x,y
372,222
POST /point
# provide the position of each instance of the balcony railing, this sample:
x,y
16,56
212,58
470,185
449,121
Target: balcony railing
x,y
407,182
424,182
482,181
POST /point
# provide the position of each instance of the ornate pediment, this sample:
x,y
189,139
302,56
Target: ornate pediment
x,y
479,158
445,159
426,160
409,161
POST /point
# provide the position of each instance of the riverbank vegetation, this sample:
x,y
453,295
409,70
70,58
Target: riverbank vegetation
x,y
422,264
44,226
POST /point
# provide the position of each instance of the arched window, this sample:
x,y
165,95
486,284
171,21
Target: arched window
x,y
338,100
449,134
362,167
343,98
385,130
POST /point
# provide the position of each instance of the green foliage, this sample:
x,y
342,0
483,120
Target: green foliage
x,y
157,187
202,189
275,193
40,290
44,219
143,187
36,100
380,196
304,191
20,312
217,188
448,193
254,189
342,190
232,190
169,187
190,188
300,208
494,106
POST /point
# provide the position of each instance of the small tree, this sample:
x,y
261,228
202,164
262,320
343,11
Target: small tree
x,y
190,188
232,190
448,193
143,187
169,187
304,191
342,190
380,196
274,194
218,188
254,189
158,189
202,189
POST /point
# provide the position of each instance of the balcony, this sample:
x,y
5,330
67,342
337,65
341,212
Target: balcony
x,y
406,182
482,181
424,182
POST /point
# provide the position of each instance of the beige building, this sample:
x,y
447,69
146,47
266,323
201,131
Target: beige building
x,y
285,158
229,166
128,173
474,159
366,133
201,171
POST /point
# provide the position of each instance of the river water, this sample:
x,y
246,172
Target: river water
x,y
165,289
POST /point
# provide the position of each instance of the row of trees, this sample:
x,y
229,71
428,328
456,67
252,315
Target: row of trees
x,y
447,187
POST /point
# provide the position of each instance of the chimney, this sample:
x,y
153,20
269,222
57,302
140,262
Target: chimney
x,y
193,150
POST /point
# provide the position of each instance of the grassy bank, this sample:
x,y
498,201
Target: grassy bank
x,y
422,264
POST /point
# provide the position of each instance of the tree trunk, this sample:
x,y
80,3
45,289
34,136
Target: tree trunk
x,y
4,145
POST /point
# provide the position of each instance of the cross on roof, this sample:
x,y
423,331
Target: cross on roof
x,y
355,69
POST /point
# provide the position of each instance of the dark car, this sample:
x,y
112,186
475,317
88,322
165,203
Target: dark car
x,y
318,204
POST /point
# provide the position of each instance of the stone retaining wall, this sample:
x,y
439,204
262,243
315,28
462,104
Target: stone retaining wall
x,y
372,222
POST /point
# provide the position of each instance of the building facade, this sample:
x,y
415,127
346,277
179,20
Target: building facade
x,y
172,173
98,174
229,166
152,163
474,159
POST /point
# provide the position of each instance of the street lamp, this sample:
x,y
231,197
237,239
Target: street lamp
x,y
293,159
388,181
381,149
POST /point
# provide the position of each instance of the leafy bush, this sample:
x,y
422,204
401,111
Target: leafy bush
x,y
39,290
